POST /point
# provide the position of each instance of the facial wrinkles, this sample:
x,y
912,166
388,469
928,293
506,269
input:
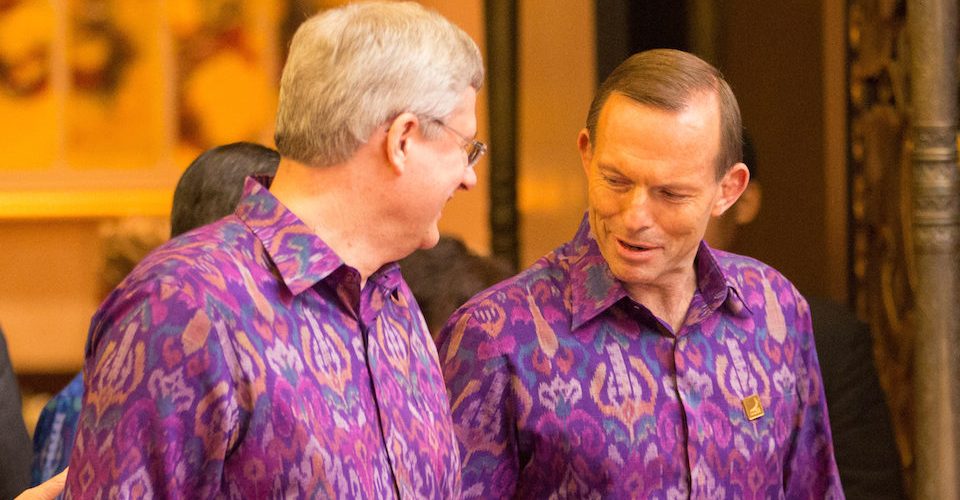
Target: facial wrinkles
x,y
661,197
637,206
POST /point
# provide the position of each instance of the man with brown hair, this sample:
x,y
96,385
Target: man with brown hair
x,y
634,361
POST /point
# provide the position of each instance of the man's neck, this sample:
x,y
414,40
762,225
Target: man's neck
x,y
334,201
670,303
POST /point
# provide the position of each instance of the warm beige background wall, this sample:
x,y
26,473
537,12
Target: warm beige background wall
x,y
557,75
49,274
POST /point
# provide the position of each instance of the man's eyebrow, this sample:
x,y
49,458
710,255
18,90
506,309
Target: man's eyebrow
x,y
609,167
678,186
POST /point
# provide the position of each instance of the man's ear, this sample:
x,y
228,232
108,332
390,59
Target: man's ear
x,y
586,150
397,144
732,185
746,210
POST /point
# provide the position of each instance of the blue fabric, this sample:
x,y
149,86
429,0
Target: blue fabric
x,y
56,429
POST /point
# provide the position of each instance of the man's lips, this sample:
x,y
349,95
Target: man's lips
x,y
635,247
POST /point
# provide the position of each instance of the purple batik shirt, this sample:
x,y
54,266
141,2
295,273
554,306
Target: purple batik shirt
x,y
243,360
562,386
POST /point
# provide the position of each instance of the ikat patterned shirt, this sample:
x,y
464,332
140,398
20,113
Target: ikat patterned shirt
x,y
563,387
243,360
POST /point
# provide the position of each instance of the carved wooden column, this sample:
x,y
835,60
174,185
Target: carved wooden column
x,y
932,26
879,172
905,215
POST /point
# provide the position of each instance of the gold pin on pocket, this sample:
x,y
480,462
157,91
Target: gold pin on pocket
x,y
752,407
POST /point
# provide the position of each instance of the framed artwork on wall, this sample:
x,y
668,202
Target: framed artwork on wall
x,y
105,102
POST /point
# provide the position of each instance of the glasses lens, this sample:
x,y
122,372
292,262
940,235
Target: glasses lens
x,y
475,149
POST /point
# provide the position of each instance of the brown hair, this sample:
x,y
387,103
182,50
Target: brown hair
x,y
666,79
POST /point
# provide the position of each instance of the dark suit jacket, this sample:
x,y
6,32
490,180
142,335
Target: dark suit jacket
x,y
15,448
862,434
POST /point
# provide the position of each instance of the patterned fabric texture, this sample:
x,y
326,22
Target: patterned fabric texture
x,y
55,431
243,359
564,387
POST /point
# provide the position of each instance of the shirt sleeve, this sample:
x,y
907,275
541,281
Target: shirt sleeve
x,y
159,411
811,469
478,378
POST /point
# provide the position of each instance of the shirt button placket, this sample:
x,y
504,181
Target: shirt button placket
x,y
684,387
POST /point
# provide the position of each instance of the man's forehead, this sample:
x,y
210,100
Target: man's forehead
x,y
704,97
700,112
466,108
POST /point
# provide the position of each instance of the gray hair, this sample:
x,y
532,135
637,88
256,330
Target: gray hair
x,y
666,79
354,68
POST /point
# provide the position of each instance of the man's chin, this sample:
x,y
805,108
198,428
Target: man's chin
x,y
430,239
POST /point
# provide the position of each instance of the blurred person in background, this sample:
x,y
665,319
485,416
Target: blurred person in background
x,y
14,440
444,277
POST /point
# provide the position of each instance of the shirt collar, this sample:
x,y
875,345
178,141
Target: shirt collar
x,y
388,277
717,287
300,256
594,288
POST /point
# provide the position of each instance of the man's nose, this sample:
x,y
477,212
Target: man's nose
x,y
637,212
469,179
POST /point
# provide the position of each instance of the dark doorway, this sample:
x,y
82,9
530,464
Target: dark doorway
x,y
625,27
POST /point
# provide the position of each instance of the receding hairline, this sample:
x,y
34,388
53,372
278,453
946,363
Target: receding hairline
x,y
704,96
669,79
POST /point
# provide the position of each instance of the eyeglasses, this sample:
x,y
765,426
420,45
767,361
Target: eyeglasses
x,y
474,148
